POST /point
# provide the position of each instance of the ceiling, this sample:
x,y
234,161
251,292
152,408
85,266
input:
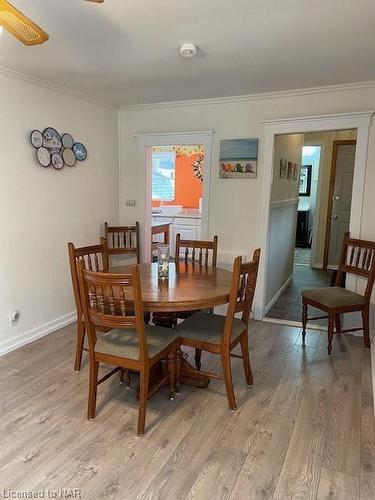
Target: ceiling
x,y
126,52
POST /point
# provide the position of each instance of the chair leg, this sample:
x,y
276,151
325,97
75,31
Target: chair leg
x,y
179,358
225,361
338,323
366,326
331,325
304,320
125,377
246,359
79,347
171,362
93,387
143,395
197,357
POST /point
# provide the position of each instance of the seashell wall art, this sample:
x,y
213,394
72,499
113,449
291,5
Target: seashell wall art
x,y
55,150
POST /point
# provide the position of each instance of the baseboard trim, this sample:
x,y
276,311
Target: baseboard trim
x,y
37,333
298,324
277,295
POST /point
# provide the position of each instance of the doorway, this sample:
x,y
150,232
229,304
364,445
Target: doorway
x,y
146,143
314,207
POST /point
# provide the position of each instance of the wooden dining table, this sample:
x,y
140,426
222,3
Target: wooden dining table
x,y
189,287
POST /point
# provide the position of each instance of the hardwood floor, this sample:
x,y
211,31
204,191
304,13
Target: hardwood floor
x,y
305,429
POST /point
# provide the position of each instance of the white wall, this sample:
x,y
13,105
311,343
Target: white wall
x,y
42,209
283,217
234,204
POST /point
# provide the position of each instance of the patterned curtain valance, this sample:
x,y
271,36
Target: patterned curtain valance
x,y
197,149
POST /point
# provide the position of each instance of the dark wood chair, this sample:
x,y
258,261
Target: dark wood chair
x,y
94,258
357,257
220,334
122,240
203,253
129,344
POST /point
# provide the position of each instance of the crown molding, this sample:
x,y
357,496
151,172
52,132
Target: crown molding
x,y
39,82
253,97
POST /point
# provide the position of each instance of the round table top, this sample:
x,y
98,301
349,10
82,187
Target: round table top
x,y
189,287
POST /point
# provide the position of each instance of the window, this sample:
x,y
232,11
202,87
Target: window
x,y
309,169
163,176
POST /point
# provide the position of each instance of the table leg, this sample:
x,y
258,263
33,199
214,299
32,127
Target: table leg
x,y
188,374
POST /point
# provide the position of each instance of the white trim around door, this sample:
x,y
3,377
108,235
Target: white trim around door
x,y
145,142
360,121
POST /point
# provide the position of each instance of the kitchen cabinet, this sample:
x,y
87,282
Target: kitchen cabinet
x,y
190,228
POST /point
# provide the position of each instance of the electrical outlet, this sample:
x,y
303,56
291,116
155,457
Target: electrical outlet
x,y
14,316
130,203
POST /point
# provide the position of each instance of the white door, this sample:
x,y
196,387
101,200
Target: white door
x,y
342,200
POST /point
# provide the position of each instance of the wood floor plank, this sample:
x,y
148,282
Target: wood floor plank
x,y
274,445
335,485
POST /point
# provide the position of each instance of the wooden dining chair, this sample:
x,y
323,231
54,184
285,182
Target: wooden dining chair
x,y
123,240
220,334
129,344
94,258
358,258
200,252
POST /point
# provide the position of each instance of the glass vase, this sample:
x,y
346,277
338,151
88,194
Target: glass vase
x,y
163,262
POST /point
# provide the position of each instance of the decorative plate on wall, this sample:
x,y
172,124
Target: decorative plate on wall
x,y
55,150
44,157
36,138
69,157
80,151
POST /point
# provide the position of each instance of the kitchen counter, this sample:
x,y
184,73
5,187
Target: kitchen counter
x,y
191,213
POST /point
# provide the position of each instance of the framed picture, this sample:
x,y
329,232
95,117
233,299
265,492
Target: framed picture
x,y
238,159
290,171
295,172
283,168
305,180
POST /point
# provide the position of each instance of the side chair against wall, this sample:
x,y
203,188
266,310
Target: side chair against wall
x,y
123,240
202,253
220,334
129,344
94,258
358,258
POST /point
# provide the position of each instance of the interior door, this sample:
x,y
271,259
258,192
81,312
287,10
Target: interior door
x,y
341,199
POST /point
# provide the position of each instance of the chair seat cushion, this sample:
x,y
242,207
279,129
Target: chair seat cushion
x,y
124,342
207,327
334,296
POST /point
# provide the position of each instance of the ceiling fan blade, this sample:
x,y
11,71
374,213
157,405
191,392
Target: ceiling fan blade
x,y
20,26
96,1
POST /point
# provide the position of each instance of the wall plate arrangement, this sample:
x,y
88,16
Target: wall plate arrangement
x,y
53,149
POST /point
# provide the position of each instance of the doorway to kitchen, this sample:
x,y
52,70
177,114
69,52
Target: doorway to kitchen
x,y
310,213
176,183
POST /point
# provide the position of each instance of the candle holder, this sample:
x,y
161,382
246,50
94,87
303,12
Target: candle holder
x,y
163,262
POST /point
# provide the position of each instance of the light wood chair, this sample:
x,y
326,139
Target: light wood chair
x,y
122,240
129,344
94,258
358,258
220,334
163,229
202,253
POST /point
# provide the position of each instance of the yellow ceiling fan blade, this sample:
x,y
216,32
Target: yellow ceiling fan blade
x,y
20,26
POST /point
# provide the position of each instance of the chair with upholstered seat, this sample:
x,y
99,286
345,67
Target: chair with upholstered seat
x,y
201,253
220,334
94,258
129,344
358,258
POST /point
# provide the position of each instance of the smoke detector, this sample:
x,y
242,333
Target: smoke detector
x,y
188,50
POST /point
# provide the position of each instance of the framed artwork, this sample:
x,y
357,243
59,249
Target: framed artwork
x,y
305,180
295,171
283,168
238,159
290,171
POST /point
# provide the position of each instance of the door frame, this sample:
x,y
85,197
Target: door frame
x,y
145,142
332,179
359,120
